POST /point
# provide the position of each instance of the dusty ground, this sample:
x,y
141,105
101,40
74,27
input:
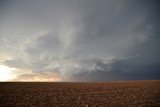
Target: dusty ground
x,y
96,94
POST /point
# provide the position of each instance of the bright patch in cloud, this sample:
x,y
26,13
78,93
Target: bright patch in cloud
x,y
5,73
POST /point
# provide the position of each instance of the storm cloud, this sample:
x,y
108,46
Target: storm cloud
x,y
81,40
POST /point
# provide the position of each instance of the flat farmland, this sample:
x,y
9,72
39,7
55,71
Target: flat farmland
x,y
80,94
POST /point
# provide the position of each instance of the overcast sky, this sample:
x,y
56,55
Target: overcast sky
x,y
80,40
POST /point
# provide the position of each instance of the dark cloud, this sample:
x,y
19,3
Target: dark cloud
x,y
82,40
118,70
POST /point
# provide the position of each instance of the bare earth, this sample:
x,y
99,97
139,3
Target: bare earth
x,y
84,94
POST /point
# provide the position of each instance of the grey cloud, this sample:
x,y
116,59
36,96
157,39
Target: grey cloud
x,y
44,44
118,70
81,39
17,63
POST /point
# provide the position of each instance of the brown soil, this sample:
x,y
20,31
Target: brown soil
x,y
94,94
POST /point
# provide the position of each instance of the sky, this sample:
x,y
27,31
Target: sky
x,y
79,40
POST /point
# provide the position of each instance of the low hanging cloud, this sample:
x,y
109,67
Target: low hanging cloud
x,y
37,77
81,40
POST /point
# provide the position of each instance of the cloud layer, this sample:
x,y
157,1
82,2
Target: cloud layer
x,y
79,40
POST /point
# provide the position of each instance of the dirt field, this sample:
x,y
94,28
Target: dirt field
x,y
96,94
